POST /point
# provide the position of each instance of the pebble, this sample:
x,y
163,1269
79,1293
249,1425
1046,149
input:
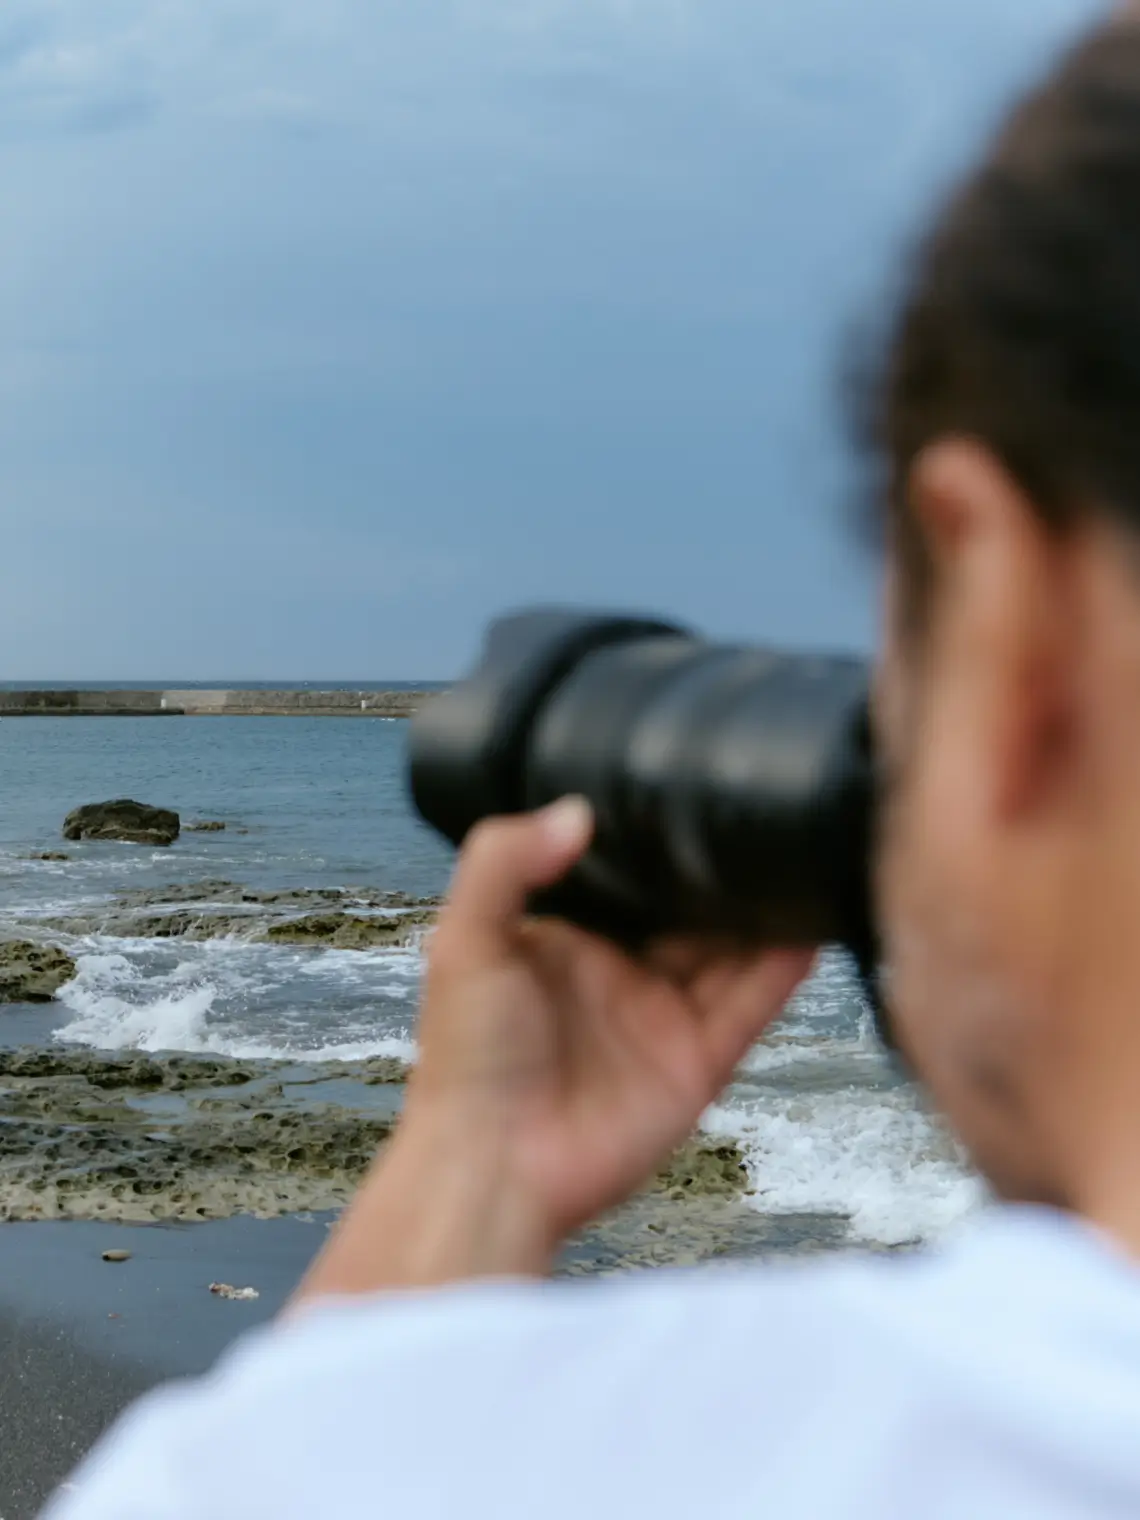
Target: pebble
x,y
227,1290
116,1255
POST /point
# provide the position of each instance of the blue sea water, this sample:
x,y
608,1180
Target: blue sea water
x,y
322,802
308,802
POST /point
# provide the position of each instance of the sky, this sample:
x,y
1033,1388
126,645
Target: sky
x,y
330,328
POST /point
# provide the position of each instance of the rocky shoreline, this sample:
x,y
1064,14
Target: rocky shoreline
x,y
164,1138
349,918
89,1135
180,1138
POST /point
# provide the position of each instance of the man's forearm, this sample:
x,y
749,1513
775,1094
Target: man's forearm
x,y
437,1207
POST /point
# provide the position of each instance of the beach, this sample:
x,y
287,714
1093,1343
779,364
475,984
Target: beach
x,y
81,1336
195,1171
225,1046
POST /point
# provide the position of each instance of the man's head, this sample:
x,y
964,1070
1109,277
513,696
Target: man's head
x,y
1009,693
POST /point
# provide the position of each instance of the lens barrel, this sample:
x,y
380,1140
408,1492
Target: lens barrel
x,y
732,786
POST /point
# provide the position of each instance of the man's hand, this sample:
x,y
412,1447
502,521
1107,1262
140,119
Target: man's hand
x,y
555,1072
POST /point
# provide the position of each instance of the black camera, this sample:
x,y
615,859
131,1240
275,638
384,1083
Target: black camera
x,y
732,787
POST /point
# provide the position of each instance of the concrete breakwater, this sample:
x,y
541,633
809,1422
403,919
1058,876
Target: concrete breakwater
x,y
192,703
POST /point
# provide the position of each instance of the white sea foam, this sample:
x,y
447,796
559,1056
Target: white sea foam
x,y
358,966
109,1020
228,997
872,1155
783,1050
822,1125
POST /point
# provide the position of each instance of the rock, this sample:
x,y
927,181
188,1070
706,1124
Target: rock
x,y
655,1230
382,1071
80,1141
32,973
316,899
342,897
133,822
352,918
49,855
213,890
126,1069
206,826
174,925
116,1255
340,931
704,1167
343,931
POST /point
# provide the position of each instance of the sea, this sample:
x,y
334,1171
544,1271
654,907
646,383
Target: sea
x,y
828,1124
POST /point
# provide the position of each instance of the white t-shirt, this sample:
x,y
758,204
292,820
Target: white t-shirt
x,y
997,1377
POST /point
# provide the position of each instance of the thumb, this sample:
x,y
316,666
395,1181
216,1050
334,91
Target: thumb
x,y
502,862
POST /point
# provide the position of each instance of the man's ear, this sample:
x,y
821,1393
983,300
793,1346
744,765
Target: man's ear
x,y
1001,615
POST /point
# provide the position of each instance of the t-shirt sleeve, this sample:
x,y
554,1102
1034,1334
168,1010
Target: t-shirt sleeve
x,y
497,1400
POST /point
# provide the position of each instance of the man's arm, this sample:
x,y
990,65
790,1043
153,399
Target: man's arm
x,y
555,1074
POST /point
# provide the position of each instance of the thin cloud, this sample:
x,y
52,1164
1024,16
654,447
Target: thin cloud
x,y
334,325
68,66
288,111
55,79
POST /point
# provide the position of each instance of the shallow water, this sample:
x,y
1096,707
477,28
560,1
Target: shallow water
x,y
320,803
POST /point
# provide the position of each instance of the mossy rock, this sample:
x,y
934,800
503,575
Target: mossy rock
x,y
345,931
124,819
704,1168
31,973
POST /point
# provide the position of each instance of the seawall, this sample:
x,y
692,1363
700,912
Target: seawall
x,y
194,704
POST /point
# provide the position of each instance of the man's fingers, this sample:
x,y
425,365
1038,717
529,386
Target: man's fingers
x,y
506,859
739,1003
684,959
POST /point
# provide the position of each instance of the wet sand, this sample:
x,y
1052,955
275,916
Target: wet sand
x,y
80,1338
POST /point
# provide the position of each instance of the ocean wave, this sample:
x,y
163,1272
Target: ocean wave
x,y
229,997
876,1157
826,1125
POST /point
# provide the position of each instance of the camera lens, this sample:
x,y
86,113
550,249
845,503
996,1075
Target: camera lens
x,y
731,786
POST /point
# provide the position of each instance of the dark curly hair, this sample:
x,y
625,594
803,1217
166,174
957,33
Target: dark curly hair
x,y
1019,324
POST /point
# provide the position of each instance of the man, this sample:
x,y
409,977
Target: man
x,y
425,1369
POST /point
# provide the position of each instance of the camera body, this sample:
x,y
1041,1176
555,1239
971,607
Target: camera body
x,y
732,787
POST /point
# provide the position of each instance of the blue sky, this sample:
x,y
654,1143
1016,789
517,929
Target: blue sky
x,y
330,327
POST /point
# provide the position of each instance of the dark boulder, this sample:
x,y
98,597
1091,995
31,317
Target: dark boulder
x,y
133,822
206,826
32,973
